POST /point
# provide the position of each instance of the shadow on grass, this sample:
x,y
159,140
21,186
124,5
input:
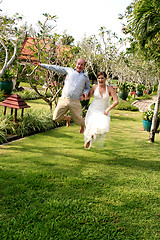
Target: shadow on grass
x,y
123,118
50,195
108,157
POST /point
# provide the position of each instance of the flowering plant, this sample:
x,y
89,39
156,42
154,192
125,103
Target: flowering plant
x,y
124,86
148,115
140,87
7,76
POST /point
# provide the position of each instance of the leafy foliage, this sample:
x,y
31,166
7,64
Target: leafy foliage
x,y
7,76
148,115
123,105
34,121
143,24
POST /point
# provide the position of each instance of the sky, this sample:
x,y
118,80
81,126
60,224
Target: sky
x,y
78,18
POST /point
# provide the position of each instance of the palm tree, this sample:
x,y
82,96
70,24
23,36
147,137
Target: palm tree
x,y
143,24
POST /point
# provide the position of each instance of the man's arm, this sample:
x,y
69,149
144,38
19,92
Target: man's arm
x,y
87,87
54,68
84,95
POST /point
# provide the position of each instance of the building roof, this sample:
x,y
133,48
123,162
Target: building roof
x,y
29,48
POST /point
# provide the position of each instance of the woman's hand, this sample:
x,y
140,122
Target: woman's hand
x,y
106,112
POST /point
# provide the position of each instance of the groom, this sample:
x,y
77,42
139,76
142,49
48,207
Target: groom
x,y
76,88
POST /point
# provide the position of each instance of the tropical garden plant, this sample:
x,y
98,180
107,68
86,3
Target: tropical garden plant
x,y
34,121
7,76
140,87
143,25
148,115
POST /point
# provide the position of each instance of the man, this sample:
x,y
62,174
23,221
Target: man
x,y
75,82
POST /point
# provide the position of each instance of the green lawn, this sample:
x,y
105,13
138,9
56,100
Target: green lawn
x,y
53,188
37,104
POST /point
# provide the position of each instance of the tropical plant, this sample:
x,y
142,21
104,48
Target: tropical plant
x,y
7,76
125,86
143,25
140,87
148,115
125,105
47,48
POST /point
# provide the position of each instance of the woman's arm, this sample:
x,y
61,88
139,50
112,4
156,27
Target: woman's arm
x,y
113,94
91,92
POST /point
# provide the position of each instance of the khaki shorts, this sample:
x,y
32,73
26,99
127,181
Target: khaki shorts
x,y
65,104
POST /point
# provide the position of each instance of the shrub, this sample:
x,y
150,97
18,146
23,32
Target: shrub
x,y
28,94
123,105
148,115
31,94
3,131
2,98
144,97
34,121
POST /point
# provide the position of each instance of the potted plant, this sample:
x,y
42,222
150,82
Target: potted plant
x,y
140,89
124,90
147,120
6,84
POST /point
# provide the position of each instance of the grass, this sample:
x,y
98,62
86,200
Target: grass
x,y
26,84
38,104
53,188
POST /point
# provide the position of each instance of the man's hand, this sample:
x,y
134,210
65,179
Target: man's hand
x,y
81,98
84,96
37,63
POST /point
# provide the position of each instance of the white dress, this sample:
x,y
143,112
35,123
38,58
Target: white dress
x,y
96,122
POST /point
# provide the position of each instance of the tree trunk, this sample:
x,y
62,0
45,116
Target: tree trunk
x,y
8,61
155,116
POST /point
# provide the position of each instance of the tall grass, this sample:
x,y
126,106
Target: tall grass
x,y
34,121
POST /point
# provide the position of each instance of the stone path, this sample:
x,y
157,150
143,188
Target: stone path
x,y
144,105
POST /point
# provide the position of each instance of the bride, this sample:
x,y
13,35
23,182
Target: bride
x,y
97,119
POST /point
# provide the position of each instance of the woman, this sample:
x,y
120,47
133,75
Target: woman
x,y
97,119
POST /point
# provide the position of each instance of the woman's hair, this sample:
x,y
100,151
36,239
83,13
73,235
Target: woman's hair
x,y
102,73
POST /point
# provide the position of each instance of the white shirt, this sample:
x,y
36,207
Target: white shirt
x,y
75,82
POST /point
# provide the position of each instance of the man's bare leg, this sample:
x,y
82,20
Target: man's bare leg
x,y
81,129
68,120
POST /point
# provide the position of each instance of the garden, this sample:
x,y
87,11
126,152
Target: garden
x,y
51,186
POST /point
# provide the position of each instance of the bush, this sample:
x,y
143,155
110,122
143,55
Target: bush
x,y
3,131
123,105
31,94
28,95
2,98
34,121
144,97
148,115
